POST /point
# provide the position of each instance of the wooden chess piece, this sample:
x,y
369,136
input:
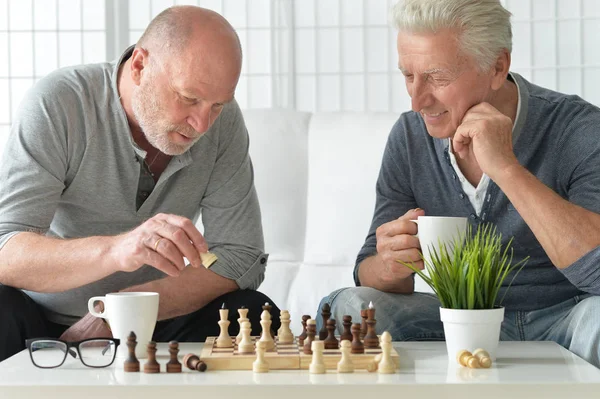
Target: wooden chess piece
x,y
386,364
266,337
311,333
151,365
243,312
132,364
347,322
267,306
193,362
325,314
331,341
284,334
317,365
357,345
345,365
302,335
485,361
173,366
260,365
224,339
246,345
370,339
363,325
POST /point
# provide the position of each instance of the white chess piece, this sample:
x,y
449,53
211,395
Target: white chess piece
x,y
284,334
265,322
386,364
246,345
260,365
345,365
243,317
317,365
224,339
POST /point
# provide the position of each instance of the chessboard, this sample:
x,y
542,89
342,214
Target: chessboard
x,y
283,357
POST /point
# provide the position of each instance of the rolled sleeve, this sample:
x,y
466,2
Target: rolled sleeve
x,y
585,272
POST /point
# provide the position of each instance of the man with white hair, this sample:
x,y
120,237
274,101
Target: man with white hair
x,y
107,167
484,143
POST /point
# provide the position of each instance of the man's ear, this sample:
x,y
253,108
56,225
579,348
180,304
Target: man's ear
x,y
500,69
139,60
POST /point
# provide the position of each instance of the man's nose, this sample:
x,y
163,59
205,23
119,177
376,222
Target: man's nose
x,y
199,118
419,96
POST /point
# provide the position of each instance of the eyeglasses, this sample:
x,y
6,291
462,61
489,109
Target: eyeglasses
x,y
49,353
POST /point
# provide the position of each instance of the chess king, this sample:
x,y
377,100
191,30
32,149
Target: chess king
x,y
99,199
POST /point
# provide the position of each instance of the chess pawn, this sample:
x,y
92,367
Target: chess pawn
x,y
265,322
345,365
347,323
193,362
224,339
132,364
260,365
485,361
284,334
302,335
317,365
331,341
243,312
386,364
173,366
311,332
151,365
357,345
246,345
325,314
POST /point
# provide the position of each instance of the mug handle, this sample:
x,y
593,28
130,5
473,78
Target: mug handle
x,y
91,309
415,221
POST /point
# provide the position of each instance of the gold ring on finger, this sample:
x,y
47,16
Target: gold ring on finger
x,y
156,244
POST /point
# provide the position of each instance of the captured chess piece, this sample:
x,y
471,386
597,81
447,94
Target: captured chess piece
x,y
466,359
284,334
386,364
311,332
325,314
345,365
347,323
193,362
173,366
317,365
331,341
370,340
151,365
243,312
132,364
485,361
260,365
302,335
224,339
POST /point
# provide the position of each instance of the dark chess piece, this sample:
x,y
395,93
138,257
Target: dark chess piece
x,y
331,341
347,322
357,345
363,325
371,340
311,333
193,362
173,366
302,336
151,365
132,364
325,314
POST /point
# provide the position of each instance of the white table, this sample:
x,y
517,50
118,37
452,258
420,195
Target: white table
x,y
522,370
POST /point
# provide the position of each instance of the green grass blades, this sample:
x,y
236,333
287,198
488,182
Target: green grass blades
x,y
468,273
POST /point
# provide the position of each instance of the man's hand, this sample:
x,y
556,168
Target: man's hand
x,y
487,134
396,241
88,327
161,242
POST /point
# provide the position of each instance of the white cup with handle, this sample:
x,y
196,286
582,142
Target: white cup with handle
x,y
127,312
439,230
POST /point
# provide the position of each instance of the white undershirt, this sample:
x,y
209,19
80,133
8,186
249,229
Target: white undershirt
x,y
477,195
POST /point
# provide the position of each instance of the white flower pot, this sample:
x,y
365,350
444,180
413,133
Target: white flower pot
x,y
472,329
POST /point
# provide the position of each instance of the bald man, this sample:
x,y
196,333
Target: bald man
x,y
106,169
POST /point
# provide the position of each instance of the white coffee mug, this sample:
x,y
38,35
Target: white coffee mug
x,y
439,230
127,312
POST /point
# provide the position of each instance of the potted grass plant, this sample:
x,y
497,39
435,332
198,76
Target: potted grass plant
x,y
466,275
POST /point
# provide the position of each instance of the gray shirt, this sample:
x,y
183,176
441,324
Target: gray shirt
x,y
71,169
556,137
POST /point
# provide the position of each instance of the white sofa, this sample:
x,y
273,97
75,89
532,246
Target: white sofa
x,y
315,177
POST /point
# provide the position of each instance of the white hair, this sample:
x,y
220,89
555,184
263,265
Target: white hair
x,y
483,26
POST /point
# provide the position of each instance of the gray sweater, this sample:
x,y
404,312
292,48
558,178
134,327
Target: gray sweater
x,y
71,169
557,139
